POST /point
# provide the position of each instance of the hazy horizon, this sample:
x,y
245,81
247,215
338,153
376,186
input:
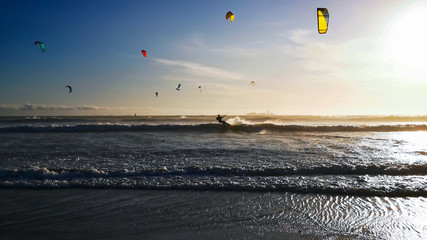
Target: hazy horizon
x,y
408,118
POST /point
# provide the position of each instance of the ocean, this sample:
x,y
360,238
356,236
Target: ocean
x,y
189,177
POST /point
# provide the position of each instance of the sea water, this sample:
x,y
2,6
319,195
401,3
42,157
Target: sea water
x,y
183,176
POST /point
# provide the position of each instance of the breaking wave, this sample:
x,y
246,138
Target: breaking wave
x,y
211,127
367,182
41,173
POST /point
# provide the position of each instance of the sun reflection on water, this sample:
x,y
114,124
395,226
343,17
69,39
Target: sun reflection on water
x,y
412,142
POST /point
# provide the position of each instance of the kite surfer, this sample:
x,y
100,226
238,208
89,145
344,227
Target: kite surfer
x,y
219,119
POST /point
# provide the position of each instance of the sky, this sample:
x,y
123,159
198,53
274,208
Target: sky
x,y
371,61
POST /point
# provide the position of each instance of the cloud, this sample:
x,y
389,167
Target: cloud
x,y
298,36
33,107
357,59
201,70
251,48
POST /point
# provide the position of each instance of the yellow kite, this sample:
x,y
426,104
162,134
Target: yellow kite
x,y
322,20
230,16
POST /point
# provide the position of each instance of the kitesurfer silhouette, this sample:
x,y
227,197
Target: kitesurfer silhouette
x,y
219,119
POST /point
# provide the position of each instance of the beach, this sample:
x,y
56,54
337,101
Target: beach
x,y
148,214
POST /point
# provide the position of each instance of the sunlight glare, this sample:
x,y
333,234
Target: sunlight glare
x,y
407,37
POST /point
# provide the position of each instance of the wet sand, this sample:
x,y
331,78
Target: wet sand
x,y
146,214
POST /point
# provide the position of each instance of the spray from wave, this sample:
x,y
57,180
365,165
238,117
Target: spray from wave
x,y
206,128
193,178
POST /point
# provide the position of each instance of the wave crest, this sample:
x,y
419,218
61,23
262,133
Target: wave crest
x,y
42,173
211,127
374,182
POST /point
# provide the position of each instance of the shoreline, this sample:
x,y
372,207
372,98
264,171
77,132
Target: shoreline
x,y
144,214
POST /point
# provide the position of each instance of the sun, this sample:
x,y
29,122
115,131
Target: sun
x,y
406,40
